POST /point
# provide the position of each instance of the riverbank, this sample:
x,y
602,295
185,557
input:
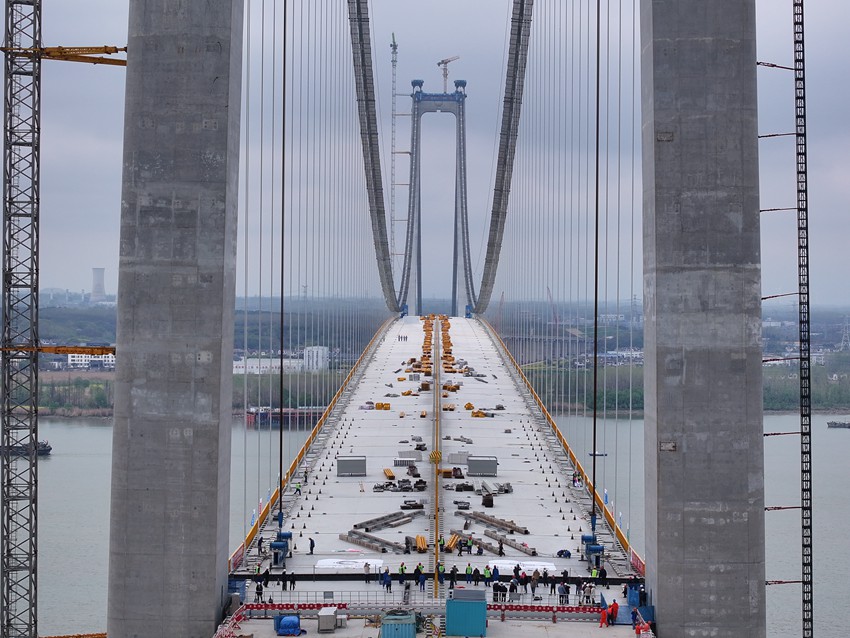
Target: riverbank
x,y
88,394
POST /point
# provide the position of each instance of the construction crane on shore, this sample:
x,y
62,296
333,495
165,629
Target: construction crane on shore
x,y
445,66
20,345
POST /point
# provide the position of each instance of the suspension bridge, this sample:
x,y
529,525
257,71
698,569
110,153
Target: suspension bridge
x,y
253,148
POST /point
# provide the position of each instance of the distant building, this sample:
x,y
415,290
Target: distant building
x,y
611,319
316,358
266,365
312,359
91,361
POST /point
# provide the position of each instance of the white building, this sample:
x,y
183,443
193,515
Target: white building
x,y
86,361
316,358
266,365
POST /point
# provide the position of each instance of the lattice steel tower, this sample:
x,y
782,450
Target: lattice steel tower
x,y
20,316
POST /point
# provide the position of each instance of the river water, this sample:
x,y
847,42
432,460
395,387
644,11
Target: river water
x,y
74,485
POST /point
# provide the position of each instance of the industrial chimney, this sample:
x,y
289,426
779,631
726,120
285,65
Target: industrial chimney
x,y
98,293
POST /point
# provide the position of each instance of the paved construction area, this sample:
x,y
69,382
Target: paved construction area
x,y
359,628
370,485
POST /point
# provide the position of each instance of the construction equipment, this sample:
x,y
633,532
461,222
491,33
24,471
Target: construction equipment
x,y
445,65
90,55
19,342
93,350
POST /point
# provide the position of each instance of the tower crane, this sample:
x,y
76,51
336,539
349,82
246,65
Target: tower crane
x,y
19,342
445,65
90,55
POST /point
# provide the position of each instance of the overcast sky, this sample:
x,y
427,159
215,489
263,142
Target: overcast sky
x,y
83,121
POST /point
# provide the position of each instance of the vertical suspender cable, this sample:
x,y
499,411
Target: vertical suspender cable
x,y
282,262
596,277
246,149
633,319
259,241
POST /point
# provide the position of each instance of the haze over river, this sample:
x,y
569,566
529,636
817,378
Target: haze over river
x,y
74,486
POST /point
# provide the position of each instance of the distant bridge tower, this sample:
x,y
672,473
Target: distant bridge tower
x,y
462,286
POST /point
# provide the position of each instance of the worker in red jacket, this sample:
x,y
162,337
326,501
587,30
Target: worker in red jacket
x,y
603,617
613,610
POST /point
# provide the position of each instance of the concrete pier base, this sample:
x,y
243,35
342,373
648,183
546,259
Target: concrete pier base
x,y
171,447
702,294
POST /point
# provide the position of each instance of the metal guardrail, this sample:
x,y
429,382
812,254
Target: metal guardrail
x,y
415,598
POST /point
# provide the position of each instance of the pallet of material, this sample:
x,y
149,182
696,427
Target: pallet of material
x,y
451,544
389,474
421,544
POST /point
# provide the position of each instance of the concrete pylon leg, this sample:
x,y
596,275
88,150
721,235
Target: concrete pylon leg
x,y
171,443
702,294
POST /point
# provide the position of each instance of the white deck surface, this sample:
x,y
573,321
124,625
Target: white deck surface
x,y
529,458
358,628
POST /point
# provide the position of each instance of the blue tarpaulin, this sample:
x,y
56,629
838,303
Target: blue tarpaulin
x,y
287,625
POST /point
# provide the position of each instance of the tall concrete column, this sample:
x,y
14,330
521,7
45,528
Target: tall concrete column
x,y
171,443
702,296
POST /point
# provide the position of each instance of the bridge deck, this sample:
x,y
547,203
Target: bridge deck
x,y
532,487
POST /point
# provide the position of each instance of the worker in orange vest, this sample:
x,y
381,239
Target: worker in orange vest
x,y
603,617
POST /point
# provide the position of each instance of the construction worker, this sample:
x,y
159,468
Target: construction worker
x,y
613,610
603,617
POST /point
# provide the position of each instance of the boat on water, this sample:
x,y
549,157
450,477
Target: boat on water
x,y
43,448
838,424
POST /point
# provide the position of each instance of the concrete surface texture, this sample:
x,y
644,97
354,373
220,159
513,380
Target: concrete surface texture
x,y
171,449
703,384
